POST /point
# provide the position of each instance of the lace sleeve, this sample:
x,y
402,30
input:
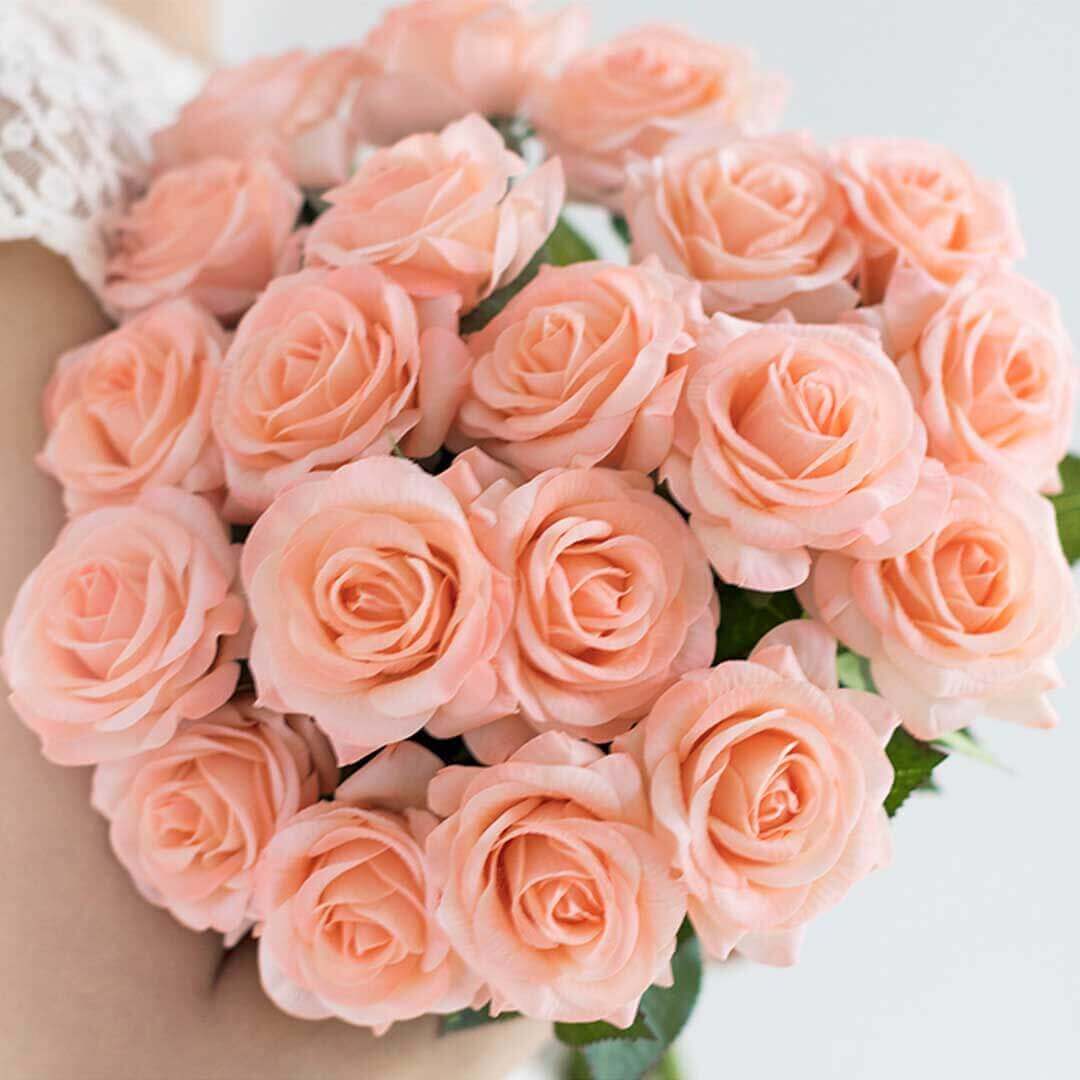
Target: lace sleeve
x,y
81,91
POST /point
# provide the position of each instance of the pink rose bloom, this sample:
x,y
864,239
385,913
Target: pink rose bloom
x,y
615,598
586,913
760,222
767,784
215,232
991,373
131,410
375,610
116,637
442,59
792,438
330,366
299,109
190,820
583,367
916,203
348,906
966,624
630,97
438,214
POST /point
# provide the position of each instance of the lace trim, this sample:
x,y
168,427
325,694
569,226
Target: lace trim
x,y
81,91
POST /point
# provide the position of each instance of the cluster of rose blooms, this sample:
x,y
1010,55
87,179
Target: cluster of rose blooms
x,y
822,358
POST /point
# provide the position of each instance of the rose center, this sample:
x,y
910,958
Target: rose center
x,y
386,606
592,591
327,382
801,414
101,612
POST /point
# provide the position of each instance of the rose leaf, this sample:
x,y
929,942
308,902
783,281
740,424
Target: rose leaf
x,y
1067,507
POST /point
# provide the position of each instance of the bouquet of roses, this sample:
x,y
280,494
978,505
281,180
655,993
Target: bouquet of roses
x,y
491,629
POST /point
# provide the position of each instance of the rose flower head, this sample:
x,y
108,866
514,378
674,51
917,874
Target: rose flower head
x,y
116,636
330,366
347,904
191,819
792,438
375,610
442,59
915,203
760,221
215,232
299,109
439,215
131,409
967,623
551,885
628,98
584,366
990,369
767,784
614,598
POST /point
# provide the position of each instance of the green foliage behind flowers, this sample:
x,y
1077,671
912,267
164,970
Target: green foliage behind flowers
x,y
1067,508
747,616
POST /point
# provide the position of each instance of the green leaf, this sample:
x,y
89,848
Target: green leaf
x,y
566,245
604,1052
853,671
747,616
963,742
598,1031
913,763
1067,508
471,1018
621,227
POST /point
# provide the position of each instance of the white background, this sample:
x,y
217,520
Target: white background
x,y
963,959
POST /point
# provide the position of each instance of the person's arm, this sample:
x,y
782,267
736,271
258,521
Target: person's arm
x,y
79,951
96,983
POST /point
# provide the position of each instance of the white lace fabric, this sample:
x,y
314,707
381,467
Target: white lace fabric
x,y
81,92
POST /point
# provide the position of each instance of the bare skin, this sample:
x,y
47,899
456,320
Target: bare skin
x,y
95,983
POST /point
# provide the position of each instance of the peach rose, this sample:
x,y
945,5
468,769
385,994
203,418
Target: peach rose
x,y
327,367
583,367
615,599
348,906
442,59
190,820
215,232
969,621
437,213
131,410
914,202
116,636
586,911
630,97
767,784
760,222
992,375
375,610
299,109
798,437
